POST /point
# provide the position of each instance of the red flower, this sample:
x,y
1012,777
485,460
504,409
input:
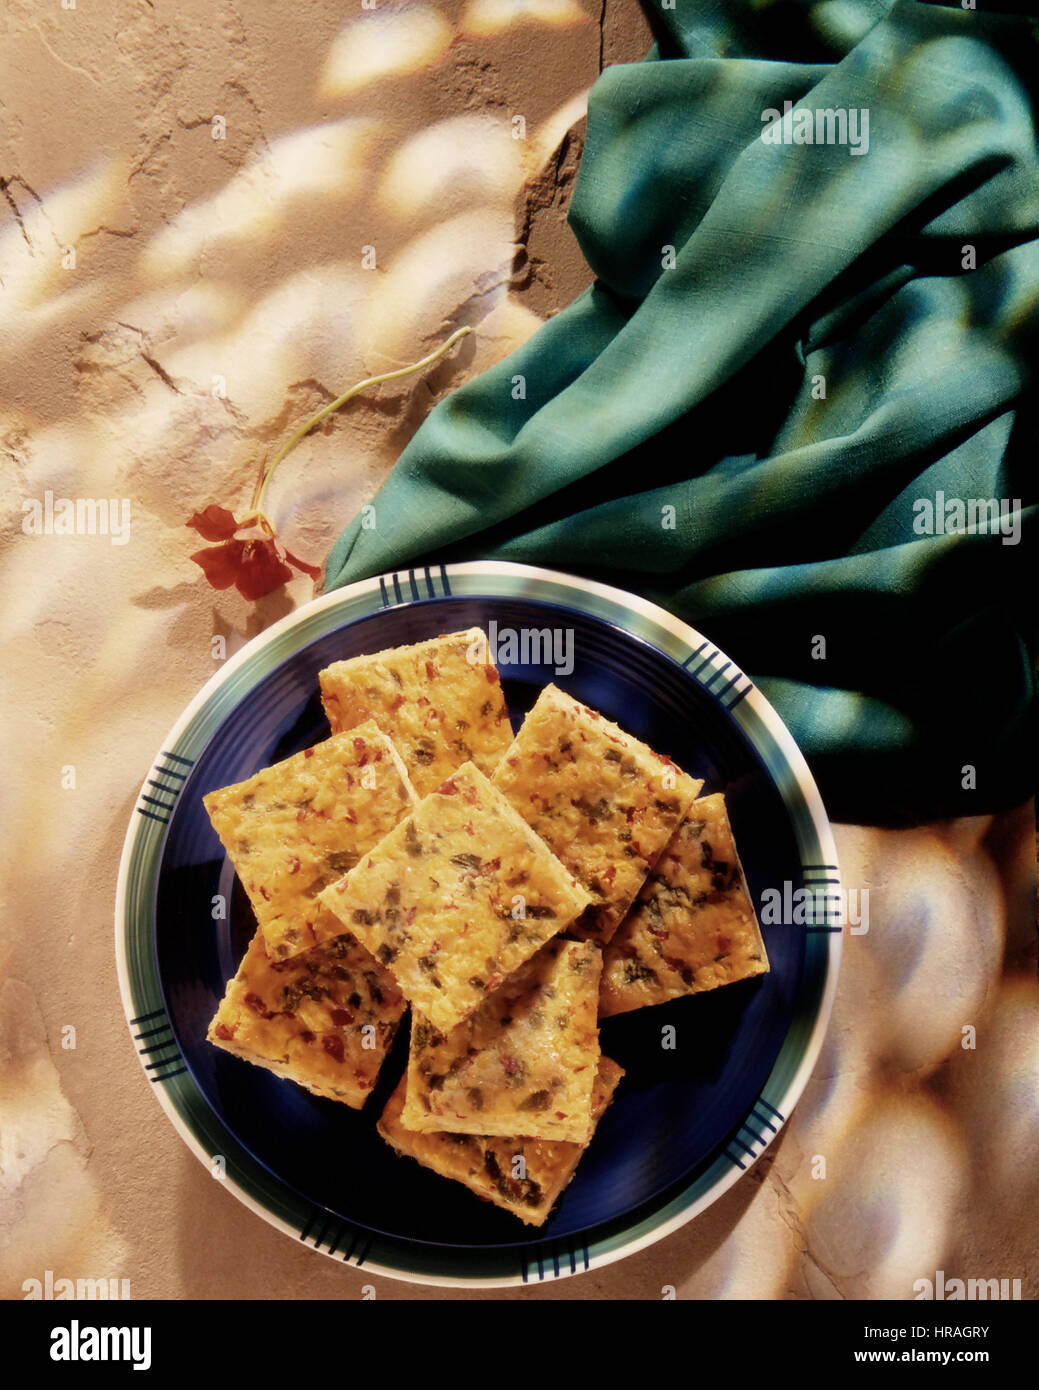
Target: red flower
x,y
249,554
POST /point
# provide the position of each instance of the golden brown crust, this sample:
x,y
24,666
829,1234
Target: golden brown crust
x,y
324,1019
298,826
693,927
524,1062
602,801
440,701
524,1176
456,898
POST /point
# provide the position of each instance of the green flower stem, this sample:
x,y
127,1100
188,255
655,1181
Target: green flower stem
x,y
305,429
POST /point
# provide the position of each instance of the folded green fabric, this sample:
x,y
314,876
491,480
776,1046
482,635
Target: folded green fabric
x,y
797,402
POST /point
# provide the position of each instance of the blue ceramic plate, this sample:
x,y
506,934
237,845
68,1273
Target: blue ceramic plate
x,y
687,1120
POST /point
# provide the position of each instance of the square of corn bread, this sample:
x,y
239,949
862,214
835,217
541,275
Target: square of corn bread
x,y
693,926
324,1018
602,801
440,701
524,1176
456,897
523,1063
292,829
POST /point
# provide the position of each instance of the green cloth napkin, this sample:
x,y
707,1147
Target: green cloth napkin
x,y
798,365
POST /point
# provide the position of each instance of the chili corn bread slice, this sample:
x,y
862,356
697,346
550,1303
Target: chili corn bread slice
x,y
324,1019
524,1063
693,927
603,802
440,701
522,1175
456,898
298,826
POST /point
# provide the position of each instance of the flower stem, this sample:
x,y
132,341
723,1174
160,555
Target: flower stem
x,y
304,429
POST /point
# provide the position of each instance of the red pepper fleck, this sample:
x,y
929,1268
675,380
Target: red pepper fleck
x,y
308,753
431,671
254,1002
342,1018
223,1031
510,1065
360,744
491,674
264,894
560,1114
396,703
448,788
294,864
307,1035
351,817
333,1045
409,916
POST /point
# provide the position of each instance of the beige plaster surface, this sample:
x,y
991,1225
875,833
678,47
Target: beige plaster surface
x,y
189,190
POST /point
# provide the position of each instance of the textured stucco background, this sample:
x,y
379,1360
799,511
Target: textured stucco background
x,y
216,217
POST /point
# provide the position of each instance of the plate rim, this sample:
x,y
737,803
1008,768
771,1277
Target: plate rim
x,y
545,1258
